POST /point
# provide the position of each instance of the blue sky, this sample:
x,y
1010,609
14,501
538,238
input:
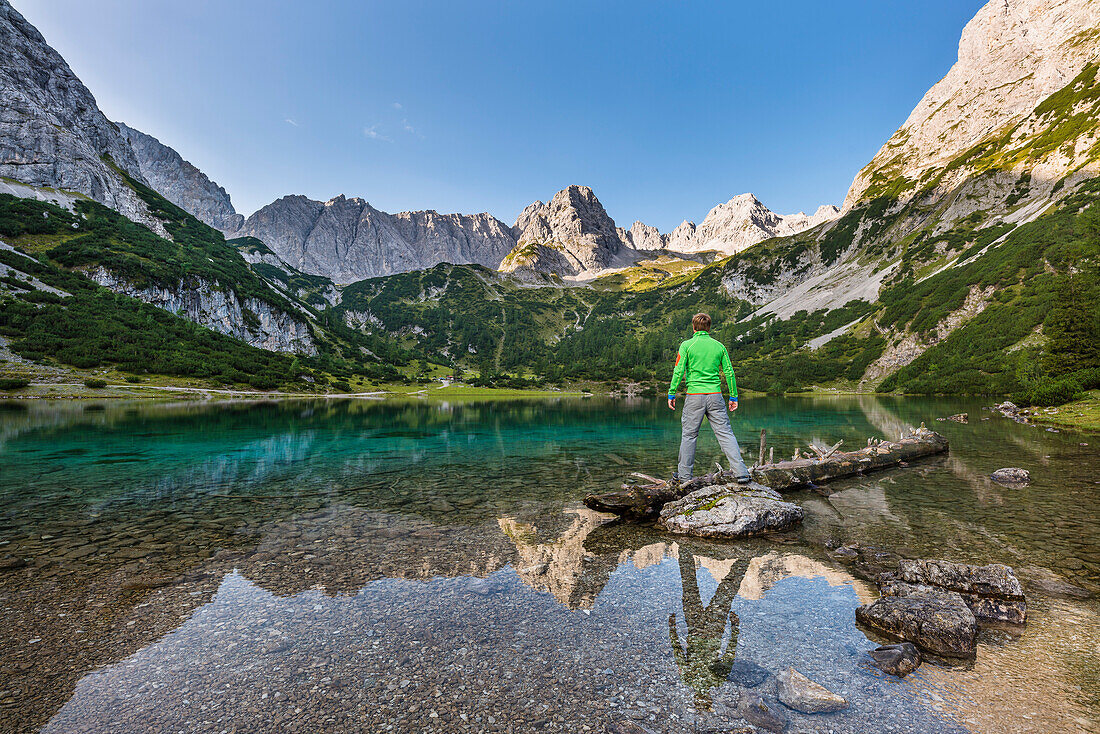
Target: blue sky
x,y
663,108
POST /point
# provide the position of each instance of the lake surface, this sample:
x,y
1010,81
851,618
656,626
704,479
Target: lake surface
x,y
429,566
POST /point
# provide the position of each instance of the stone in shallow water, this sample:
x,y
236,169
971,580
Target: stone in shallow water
x,y
798,692
992,592
1050,583
1011,475
754,710
868,562
723,511
11,563
935,620
899,660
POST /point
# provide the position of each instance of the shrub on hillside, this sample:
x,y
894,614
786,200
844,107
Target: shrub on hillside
x,y
1051,392
95,383
1089,379
263,382
13,383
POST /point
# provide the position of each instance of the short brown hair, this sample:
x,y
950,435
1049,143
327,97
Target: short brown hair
x,y
700,322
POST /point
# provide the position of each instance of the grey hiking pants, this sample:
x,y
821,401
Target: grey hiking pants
x,y
714,408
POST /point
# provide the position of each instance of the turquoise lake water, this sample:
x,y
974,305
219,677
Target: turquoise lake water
x,y
429,566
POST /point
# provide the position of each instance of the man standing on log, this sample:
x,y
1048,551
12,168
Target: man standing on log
x,y
700,358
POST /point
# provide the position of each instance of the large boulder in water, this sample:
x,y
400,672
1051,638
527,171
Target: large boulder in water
x,y
722,511
934,620
992,592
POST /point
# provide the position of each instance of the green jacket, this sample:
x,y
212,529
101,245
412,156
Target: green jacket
x,y
700,357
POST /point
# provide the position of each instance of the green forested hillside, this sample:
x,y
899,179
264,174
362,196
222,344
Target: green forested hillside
x,y
1046,285
90,326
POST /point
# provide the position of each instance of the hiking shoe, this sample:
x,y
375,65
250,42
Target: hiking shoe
x,y
744,480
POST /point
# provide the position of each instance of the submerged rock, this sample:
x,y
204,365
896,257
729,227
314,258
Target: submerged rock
x,y
1050,583
937,621
754,710
959,418
11,563
874,564
900,660
802,694
992,592
722,511
1011,475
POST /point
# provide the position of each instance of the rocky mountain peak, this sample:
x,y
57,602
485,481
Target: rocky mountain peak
x,y
52,133
740,223
574,234
644,237
1012,55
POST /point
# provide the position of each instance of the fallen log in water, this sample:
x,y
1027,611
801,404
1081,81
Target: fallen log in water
x,y
642,500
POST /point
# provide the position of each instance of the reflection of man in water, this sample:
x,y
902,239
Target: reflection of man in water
x,y
699,359
703,660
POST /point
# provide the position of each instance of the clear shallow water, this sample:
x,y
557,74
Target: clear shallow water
x,y
428,566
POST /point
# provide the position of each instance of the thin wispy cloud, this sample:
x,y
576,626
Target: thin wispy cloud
x,y
397,106
409,128
372,133
289,121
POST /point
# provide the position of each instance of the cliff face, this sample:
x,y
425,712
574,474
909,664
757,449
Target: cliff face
x,y
349,240
52,134
250,320
1012,55
181,182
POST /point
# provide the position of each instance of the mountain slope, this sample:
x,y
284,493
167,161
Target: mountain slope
x,y
52,134
195,275
1012,55
180,182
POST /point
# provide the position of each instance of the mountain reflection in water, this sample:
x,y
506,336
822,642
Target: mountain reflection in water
x,y
295,564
